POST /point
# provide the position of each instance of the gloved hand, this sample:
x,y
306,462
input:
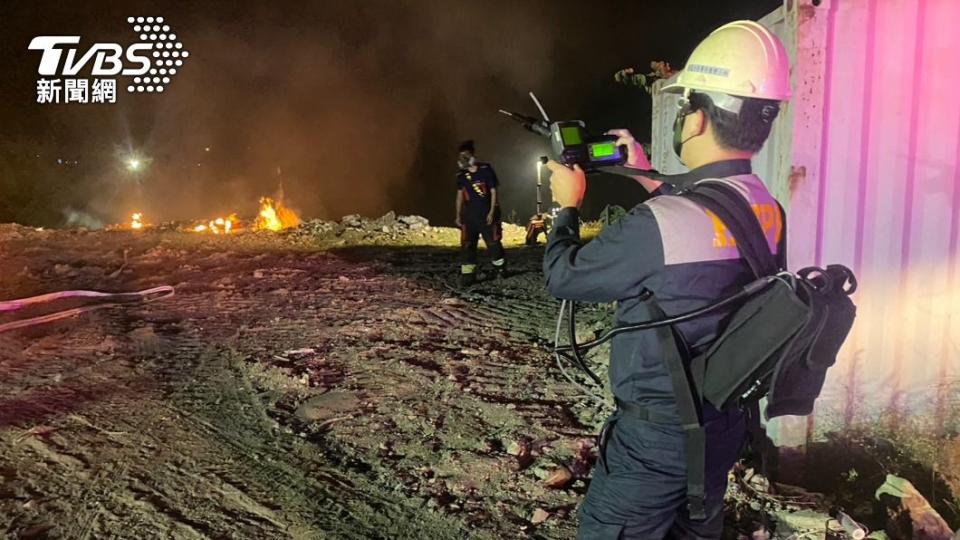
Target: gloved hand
x,y
567,185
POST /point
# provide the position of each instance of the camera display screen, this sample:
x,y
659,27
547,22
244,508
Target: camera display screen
x,y
603,150
571,136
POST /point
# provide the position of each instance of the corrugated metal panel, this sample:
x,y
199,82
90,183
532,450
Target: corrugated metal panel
x,y
661,130
888,204
870,166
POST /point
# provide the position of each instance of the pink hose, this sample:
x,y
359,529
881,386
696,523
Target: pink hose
x,y
111,299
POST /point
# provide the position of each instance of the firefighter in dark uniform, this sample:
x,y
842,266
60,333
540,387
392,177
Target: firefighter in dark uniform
x,y
675,251
478,213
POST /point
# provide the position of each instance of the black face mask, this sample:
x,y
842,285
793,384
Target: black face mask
x,y
678,139
466,162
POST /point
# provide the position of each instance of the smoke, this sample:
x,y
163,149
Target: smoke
x,y
354,107
75,218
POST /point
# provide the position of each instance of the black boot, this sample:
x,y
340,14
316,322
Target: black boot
x,y
467,280
500,270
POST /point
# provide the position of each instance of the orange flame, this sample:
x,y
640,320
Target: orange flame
x,y
274,216
136,221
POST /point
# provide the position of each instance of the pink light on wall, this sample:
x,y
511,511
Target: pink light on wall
x,y
876,127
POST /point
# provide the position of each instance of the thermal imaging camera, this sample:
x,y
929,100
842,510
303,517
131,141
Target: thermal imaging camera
x,y
570,141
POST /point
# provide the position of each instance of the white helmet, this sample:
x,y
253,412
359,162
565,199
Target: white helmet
x,y
741,59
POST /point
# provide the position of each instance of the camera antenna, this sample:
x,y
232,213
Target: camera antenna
x,y
539,106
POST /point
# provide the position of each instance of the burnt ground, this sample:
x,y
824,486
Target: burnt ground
x,y
325,383
292,388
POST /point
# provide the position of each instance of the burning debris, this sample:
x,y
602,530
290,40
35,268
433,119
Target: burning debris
x,y
218,225
274,216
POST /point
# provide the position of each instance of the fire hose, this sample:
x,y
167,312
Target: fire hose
x,y
108,300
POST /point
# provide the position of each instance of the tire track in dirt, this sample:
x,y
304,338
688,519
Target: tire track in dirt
x,y
445,381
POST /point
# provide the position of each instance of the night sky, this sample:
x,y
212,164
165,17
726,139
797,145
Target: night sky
x,y
354,106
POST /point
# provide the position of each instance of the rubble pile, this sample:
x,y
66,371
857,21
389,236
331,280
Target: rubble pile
x,y
389,223
386,223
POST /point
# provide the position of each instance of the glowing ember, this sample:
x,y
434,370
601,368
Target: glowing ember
x,y
136,221
274,216
219,225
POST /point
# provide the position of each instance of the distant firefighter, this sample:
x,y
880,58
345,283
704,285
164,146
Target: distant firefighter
x,y
478,213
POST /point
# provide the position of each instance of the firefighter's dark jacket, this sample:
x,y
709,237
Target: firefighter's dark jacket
x,y
671,247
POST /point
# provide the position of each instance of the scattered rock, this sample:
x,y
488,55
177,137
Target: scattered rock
x,y
521,450
414,223
539,516
352,221
327,406
558,478
36,531
387,220
144,339
297,354
314,227
388,223
911,516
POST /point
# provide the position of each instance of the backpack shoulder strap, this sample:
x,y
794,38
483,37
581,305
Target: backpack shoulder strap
x,y
782,241
737,215
689,400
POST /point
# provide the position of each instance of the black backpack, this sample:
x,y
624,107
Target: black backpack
x,y
777,345
793,329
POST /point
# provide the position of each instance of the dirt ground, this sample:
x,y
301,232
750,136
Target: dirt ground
x,y
294,387
330,382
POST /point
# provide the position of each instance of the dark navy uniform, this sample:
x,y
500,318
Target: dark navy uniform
x,y
685,256
475,188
